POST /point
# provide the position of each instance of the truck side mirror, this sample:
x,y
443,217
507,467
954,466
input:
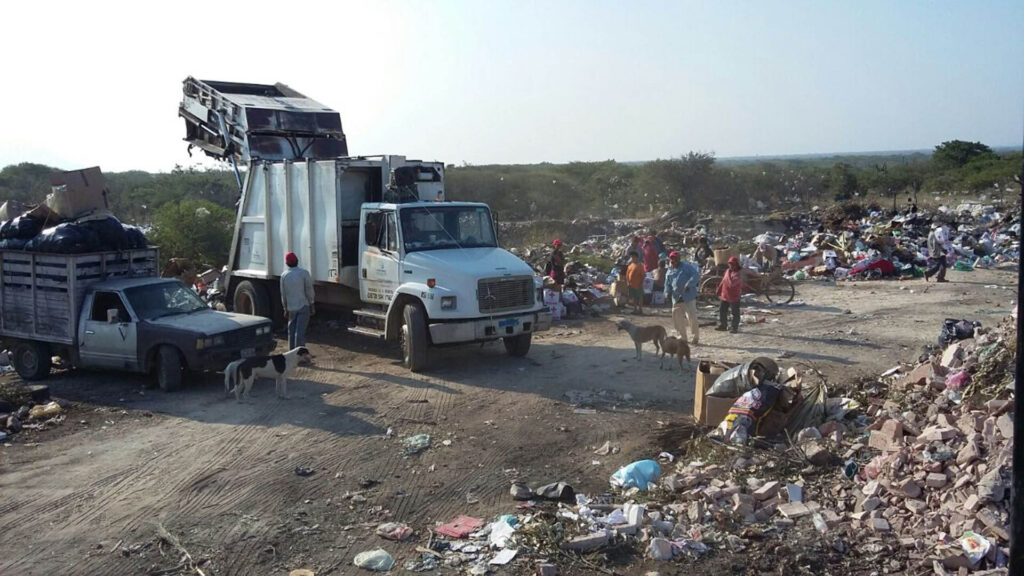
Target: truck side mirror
x,y
113,316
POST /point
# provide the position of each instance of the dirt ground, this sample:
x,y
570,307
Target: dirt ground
x,y
86,497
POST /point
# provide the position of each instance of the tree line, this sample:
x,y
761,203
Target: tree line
x,y
190,212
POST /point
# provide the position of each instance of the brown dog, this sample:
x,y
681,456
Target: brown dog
x,y
674,347
641,334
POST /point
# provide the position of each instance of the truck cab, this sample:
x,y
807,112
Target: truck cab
x,y
147,324
443,260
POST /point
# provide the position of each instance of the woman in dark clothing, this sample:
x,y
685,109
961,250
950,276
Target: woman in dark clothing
x,y
556,265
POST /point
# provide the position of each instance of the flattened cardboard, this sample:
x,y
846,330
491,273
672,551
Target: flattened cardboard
x,y
707,409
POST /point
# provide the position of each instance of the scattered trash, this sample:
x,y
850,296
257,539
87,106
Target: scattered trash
x,y
375,560
416,444
503,557
304,471
460,527
641,475
394,531
44,411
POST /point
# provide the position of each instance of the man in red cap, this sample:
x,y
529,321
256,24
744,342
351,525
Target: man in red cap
x,y
297,299
729,293
556,265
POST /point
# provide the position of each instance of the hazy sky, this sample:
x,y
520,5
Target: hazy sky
x,y
485,81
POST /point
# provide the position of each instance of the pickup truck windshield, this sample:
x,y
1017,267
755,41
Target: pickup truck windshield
x,y
443,226
153,301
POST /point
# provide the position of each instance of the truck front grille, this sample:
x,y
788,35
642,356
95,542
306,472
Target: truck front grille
x,y
500,294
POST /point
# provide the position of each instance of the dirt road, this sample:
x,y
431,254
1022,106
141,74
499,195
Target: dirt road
x,y
85,497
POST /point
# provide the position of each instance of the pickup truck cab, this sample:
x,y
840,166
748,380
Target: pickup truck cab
x,y
145,324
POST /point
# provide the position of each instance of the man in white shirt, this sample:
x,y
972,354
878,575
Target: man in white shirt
x,y
297,299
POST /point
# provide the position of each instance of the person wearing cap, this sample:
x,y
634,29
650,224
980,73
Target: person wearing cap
x,y
556,265
681,286
729,292
766,256
297,299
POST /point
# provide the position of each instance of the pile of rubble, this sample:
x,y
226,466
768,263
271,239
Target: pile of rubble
x,y
910,474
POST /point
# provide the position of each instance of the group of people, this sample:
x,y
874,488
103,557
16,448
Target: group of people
x,y
675,277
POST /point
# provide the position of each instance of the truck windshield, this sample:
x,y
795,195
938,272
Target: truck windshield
x,y
153,301
443,226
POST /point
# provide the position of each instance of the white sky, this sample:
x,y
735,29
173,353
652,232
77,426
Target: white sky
x,y
98,83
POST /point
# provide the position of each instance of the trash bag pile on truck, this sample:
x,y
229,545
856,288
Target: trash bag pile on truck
x,y
75,219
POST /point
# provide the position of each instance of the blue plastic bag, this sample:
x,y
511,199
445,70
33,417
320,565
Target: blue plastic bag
x,y
641,474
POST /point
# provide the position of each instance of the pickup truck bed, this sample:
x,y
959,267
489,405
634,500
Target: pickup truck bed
x,y
41,294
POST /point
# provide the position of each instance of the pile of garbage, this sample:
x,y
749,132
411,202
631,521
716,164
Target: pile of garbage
x,y
31,416
75,219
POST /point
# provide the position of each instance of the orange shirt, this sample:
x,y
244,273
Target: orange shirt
x,y
635,275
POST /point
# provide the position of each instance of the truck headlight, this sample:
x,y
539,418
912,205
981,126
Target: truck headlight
x,y
202,343
261,330
448,302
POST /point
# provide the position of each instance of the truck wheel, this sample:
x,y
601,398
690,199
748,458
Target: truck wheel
x,y
251,298
168,369
32,360
518,346
413,336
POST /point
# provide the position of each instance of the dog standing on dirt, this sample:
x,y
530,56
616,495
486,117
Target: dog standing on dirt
x,y
674,347
240,374
641,334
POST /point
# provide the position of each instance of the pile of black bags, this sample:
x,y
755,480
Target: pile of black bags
x,y
26,232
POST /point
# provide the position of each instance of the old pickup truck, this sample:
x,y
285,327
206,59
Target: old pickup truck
x,y
110,310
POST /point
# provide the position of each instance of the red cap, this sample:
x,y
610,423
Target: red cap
x,y
557,242
734,260
673,255
291,259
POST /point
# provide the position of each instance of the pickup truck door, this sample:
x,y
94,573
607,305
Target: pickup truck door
x,y
379,262
108,335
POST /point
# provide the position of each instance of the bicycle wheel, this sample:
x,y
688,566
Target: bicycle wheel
x,y
780,291
709,287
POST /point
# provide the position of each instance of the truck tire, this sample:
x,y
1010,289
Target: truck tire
x,y
413,337
518,346
252,298
32,360
169,370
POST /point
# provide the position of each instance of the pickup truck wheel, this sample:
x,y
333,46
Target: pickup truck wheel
x,y
413,337
518,346
251,298
32,360
168,369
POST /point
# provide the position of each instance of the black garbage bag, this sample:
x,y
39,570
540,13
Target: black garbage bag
x,y
954,330
135,238
23,227
13,244
110,232
67,238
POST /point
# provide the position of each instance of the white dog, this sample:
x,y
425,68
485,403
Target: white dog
x,y
240,374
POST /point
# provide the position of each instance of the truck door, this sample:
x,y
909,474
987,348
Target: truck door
x,y
379,262
108,337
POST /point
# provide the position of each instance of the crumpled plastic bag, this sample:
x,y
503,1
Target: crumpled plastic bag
x,y
416,444
641,474
394,531
737,380
375,560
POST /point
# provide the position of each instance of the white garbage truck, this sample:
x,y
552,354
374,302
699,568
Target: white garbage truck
x,y
375,232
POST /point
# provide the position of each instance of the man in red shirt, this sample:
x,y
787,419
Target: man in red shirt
x,y
650,256
729,292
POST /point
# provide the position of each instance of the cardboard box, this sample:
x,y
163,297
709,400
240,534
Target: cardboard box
x,y
79,193
709,410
